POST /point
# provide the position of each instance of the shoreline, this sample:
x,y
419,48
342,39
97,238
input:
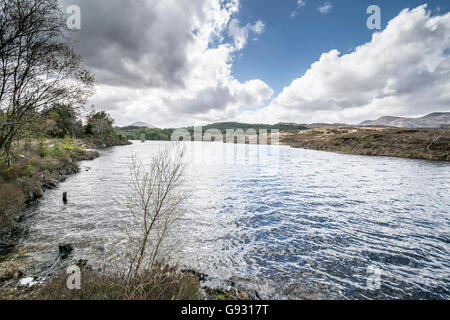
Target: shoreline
x,y
34,190
36,186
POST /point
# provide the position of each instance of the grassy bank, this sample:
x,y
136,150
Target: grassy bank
x,y
157,283
427,144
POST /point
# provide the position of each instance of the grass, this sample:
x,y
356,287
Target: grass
x,y
161,282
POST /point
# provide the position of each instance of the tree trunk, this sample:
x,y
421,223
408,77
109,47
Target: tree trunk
x,y
8,154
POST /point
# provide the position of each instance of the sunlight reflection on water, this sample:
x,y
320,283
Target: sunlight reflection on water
x,y
290,223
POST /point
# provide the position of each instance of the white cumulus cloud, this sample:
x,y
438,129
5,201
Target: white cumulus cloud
x,y
403,70
167,62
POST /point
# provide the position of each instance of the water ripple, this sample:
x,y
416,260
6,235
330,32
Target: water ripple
x,y
308,228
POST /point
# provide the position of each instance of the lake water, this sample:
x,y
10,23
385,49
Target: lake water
x,y
290,223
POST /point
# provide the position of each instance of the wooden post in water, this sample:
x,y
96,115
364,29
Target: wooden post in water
x,y
65,197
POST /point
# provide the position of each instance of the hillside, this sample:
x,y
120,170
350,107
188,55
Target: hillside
x,y
433,120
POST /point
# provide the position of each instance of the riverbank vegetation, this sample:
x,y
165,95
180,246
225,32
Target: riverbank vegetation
x,y
160,282
427,144
150,134
224,126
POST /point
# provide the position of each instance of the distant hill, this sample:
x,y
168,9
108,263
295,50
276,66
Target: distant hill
x,y
433,120
322,125
135,131
140,124
312,125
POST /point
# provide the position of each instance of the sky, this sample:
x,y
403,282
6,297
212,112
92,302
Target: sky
x,y
175,63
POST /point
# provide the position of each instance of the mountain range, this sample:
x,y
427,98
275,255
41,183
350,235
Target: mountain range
x,y
433,120
140,124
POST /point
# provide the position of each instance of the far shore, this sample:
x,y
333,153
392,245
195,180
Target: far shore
x,y
425,144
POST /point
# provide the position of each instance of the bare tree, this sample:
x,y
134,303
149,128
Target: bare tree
x,y
38,67
156,201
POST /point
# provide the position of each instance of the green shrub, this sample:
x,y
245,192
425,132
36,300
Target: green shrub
x,y
29,171
57,151
42,149
71,147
